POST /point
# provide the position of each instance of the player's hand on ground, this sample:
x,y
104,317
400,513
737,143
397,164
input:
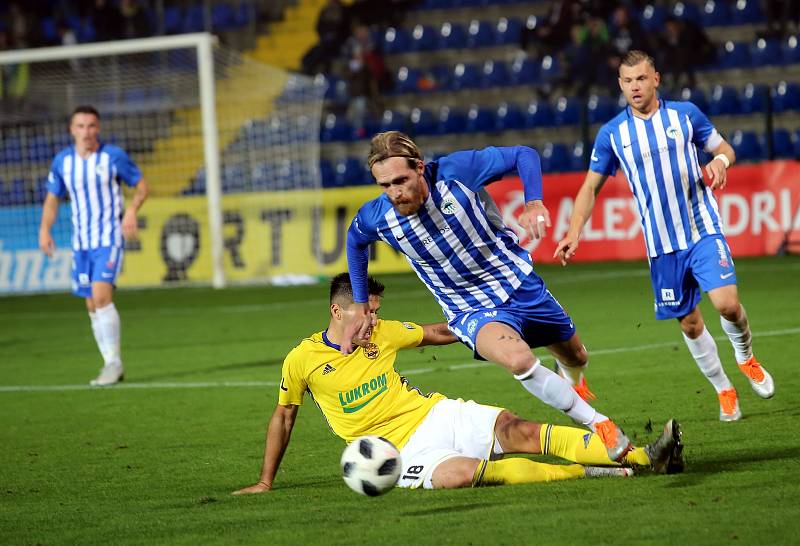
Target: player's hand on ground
x,y
130,226
717,173
535,219
260,487
46,243
356,329
566,248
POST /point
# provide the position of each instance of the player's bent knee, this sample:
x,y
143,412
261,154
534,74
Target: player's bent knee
x,y
520,362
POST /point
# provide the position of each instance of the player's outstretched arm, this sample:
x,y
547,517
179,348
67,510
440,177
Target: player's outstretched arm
x,y
130,226
717,168
278,434
584,203
437,334
49,214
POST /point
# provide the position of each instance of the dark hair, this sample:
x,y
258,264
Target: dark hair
x,y
636,56
341,288
85,109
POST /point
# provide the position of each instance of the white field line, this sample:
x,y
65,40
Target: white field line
x,y
418,291
417,371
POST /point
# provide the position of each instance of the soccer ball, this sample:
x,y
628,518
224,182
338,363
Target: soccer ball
x,y
370,465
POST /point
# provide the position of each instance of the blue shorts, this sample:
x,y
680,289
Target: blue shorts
x,y
531,310
95,265
679,277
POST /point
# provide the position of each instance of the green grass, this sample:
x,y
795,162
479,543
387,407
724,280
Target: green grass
x,y
157,465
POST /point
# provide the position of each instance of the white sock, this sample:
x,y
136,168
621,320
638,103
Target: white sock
x,y
98,334
573,374
108,321
556,392
740,337
704,351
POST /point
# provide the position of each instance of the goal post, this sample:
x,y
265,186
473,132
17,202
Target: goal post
x,y
203,122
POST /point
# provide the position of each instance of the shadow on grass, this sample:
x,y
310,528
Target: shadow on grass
x,y
697,470
210,369
449,509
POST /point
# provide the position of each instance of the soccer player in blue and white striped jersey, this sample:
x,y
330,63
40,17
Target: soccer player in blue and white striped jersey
x,y
655,144
441,217
90,172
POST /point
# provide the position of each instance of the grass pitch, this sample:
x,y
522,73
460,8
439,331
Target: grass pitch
x,y
155,460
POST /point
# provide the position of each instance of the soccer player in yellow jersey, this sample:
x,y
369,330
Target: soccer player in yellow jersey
x,y
443,443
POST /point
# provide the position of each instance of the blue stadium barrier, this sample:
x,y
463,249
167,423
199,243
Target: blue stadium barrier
x,y
406,80
479,34
567,111
451,121
524,71
451,36
734,55
746,146
576,159
335,128
786,96
421,122
766,52
687,11
724,101
696,96
538,114
653,17
480,119
791,50
754,98
600,109
396,40
423,38
549,69
494,74
508,117
507,31
465,76
716,14
555,158
782,146
392,120
746,12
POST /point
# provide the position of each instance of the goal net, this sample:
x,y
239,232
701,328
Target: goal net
x,y
229,147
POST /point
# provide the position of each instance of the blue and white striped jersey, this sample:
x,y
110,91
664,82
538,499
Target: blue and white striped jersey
x,y
456,242
94,190
659,158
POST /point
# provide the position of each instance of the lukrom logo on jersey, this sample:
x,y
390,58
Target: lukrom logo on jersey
x,y
355,399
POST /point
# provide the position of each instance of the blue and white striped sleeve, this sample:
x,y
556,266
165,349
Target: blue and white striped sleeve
x,y
55,182
705,134
127,171
476,168
603,160
359,237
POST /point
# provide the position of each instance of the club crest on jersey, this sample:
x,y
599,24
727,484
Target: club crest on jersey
x,y
100,169
448,205
371,351
672,132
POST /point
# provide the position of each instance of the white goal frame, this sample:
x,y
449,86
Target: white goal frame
x,y
203,43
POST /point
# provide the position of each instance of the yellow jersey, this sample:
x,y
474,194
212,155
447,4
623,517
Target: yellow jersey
x,y
360,393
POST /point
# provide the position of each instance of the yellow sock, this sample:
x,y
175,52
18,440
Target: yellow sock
x,y
519,470
584,447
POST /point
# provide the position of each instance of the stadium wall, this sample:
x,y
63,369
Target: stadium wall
x,y
263,240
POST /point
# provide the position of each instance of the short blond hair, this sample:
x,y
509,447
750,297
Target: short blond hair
x,y
636,56
393,144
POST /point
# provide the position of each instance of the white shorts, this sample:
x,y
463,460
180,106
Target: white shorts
x,y
453,428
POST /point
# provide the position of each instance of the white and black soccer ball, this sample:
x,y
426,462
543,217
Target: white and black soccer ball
x,y
371,465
